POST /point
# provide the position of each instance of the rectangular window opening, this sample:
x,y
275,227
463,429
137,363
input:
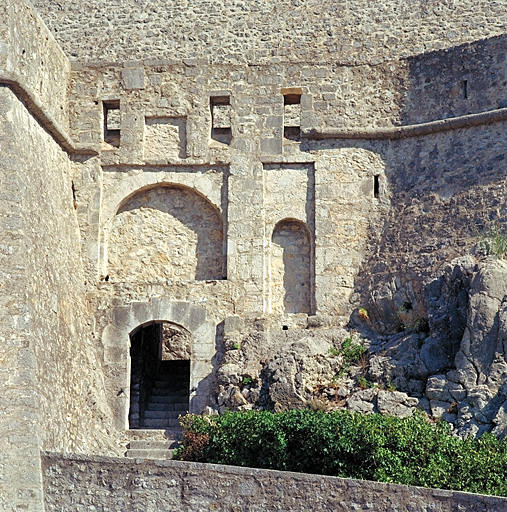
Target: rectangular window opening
x,y
376,186
221,130
292,114
112,122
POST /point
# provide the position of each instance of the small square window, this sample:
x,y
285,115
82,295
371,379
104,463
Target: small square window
x,y
292,114
221,130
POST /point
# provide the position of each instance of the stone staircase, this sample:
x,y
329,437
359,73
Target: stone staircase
x,y
168,400
152,443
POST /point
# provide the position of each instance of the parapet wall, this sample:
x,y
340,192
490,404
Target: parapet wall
x,y
76,484
31,60
351,33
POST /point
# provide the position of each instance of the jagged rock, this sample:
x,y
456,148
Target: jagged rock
x,y
500,421
363,401
437,388
399,362
439,408
297,369
457,372
395,403
446,301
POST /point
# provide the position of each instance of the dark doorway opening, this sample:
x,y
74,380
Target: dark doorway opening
x,y
159,390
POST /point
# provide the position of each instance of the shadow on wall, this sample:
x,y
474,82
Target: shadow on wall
x,y
166,232
466,79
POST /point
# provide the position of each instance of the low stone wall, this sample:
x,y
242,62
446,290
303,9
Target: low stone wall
x,y
79,483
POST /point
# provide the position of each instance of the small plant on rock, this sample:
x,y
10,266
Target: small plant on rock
x,y
247,380
494,241
390,386
316,405
353,351
363,314
364,383
333,352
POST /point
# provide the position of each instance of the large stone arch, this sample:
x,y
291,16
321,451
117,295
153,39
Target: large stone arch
x,y
165,232
124,320
291,268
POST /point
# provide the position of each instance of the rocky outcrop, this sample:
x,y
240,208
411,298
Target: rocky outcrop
x,y
477,383
460,366
449,360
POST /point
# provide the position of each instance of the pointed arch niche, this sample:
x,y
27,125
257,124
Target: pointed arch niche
x,y
291,268
166,232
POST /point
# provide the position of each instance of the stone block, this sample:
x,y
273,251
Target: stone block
x,y
196,317
273,146
142,311
133,78
202,350
180,313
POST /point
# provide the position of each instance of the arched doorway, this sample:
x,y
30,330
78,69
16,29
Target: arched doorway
x,y
160,354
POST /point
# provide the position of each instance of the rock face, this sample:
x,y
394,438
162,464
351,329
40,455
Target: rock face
x,y
463,358
477,383
451,363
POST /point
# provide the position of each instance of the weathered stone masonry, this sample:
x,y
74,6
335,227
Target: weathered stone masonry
x,y
259,169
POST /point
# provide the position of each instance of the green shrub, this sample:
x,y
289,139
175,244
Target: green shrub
x,y
494,241
364,383
353,351
408,451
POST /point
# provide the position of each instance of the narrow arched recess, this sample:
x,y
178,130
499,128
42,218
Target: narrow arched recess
x,y
291,262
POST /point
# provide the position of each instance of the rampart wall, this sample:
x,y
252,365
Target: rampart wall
x,y
355,32
79,484
51,376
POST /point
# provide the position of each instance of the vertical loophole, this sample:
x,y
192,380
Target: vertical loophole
x,y
376,186
465,89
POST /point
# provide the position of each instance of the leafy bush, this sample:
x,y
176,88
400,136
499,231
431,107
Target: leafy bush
x,y
352,351
408,451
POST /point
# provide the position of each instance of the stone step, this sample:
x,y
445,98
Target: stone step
x,y
169,392
150,454
167,406
172,383
152,434
168,399
161,422
162,414
174,378
153,445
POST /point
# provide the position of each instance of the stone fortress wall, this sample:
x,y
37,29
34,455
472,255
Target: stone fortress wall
x,y
74,482
260,172
50,369
351,33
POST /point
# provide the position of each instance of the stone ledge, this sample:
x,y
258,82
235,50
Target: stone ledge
x,y
42,115
412,130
